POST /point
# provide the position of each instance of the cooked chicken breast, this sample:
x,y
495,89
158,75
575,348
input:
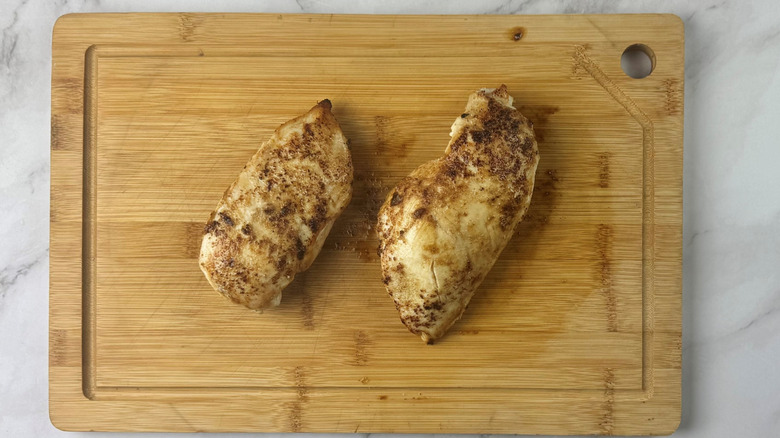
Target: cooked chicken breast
x,y
272,221
443,227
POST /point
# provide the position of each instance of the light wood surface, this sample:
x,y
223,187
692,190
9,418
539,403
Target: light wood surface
x,y
575,331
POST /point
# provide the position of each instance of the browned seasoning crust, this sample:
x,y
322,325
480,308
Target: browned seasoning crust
x,y
272,221
443,227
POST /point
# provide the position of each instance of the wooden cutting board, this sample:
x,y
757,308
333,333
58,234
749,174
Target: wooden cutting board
x,y
575,331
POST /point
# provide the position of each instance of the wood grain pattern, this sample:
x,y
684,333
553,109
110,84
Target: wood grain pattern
x,y
575,331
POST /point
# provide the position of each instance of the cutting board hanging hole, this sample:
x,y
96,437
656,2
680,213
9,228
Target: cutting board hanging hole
x,y
637,61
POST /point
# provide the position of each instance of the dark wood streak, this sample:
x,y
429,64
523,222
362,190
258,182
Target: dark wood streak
x,y
362,342
604,170
302,391
604,248
607,421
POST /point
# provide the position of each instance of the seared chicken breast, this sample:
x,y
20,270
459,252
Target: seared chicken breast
x,y
272,221
443,227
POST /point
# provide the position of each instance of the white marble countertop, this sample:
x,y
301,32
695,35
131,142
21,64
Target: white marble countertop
x,y
731,323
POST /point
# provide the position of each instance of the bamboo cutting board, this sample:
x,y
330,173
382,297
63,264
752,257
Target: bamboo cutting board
x,y
575,331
